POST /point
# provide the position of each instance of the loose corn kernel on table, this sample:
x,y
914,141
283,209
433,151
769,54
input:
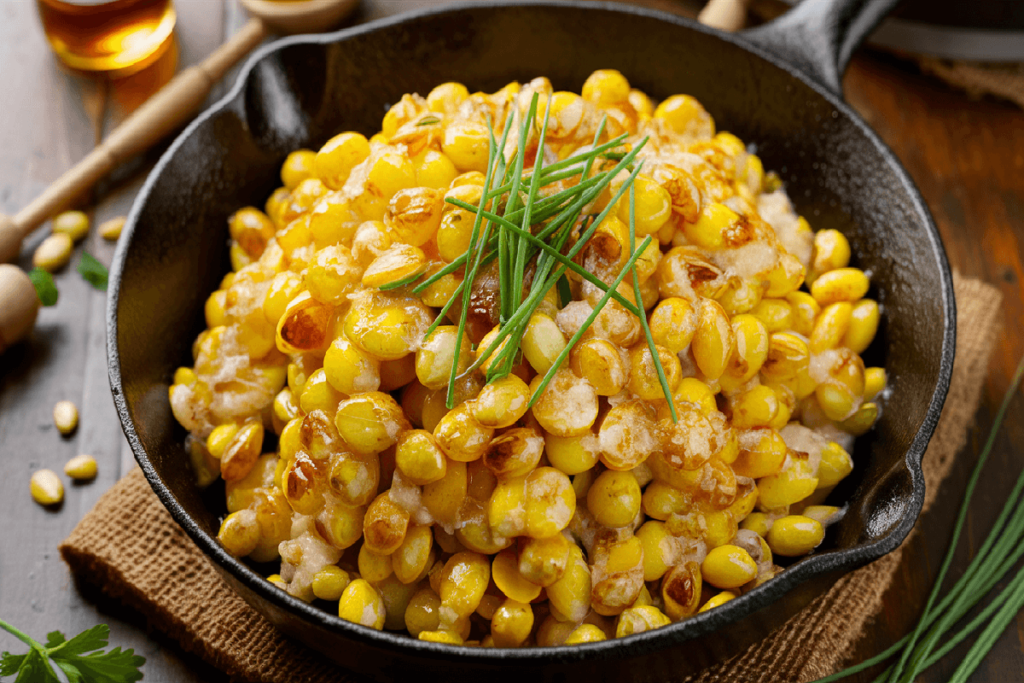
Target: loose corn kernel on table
x,y
37,376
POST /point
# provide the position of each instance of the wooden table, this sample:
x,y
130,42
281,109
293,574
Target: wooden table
x,y
966,156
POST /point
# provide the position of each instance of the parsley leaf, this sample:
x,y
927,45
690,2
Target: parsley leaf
x,y
82,659
94,272
45,289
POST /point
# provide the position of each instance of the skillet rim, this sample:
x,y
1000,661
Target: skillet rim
x,y
680,632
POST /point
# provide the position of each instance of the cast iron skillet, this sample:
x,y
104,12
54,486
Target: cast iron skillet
x,y
776,86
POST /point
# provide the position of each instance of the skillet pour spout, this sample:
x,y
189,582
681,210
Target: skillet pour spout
x,y
760,85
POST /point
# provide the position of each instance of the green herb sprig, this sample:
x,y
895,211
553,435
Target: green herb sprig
x,y
1000,552
510,239
82,659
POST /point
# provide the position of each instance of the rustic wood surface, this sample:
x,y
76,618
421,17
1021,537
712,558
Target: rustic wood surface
x,y
966,156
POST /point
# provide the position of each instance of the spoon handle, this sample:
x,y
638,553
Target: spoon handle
x,y
165,111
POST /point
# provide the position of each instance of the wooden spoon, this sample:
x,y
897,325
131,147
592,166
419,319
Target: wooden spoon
x,y
168,109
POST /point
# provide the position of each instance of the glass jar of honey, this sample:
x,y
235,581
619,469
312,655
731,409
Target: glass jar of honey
x,y
118,37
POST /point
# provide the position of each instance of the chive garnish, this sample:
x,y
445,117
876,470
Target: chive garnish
x,y
1000,552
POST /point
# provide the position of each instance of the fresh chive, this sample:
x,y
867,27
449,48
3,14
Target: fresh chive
x,y
642,314
564,291
428,121
588,322
407,280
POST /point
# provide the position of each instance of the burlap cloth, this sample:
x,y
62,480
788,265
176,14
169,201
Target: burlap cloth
x,y
129,546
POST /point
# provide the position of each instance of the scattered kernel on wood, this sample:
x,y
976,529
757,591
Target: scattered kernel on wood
x,y
81,467
74,224
65,416
111,230
46,487
53,253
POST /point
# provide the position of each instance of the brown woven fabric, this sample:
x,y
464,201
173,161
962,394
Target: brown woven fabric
x,y
979,78
130,547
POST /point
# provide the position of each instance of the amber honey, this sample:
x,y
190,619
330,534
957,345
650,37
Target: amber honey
x,y
113,36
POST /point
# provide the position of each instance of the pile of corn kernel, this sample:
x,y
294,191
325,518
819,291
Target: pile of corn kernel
x,y
316,398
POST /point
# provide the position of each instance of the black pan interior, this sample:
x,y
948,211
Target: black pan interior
x,y
304,90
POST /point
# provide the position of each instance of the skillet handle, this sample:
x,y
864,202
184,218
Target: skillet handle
x,y
818,37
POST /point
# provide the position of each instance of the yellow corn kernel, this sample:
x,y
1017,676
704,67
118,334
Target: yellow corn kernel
x,y
53,253
370,422
823,514
46,487
332,275
831,252
776,314
362,604
614,499
301,485
805,311
606,87
399,263
501,403
336,159
543,561
758,522
446,98
841,393
419,458
842,284
304,325
794,483
569,596
862,420
297,167
330,582
466,143
571,454
349,369
686,116
643,104
81,467
436,354
585,633
653,206
390,173
831,327
749,352
673,324
660,549
711,228
788,355
395,374
644,380
277,581
618,575
464,579
372,566
414,214
795,535
599,362
239,533
639,619
444,497
627,436
754,408
542,342
340,525
511,624
874,383
384,526
514,453
65,415
716,601
461,437
762,453
74,224
864,318
680,590
318,394
442,636
423,612
276,204
714,340
785,277
568,405
835,465
412,559
386,327
242,451
692,390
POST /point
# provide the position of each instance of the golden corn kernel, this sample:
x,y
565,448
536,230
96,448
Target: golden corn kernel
x,y
461,436
542,342
81,467
370,422
627,435
749,353
758,522
585,633
297,166
411,561
336,159
644,380
65,417
794,483
714,340
754,408
466,144
639,619
788,355
419,458
614,499
864,318
53,253
601,363
673,324
239,533
330,582
384,526
831,327
680,590
831,252
653,206
464,579
444,497
501,403
762,453
804,310
362,604
568,405
373,567
835,465
46,487
861,421
686,116
711,228
511,624
441,636
874,383
842,284
74,224
571,454
717,601
795,535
